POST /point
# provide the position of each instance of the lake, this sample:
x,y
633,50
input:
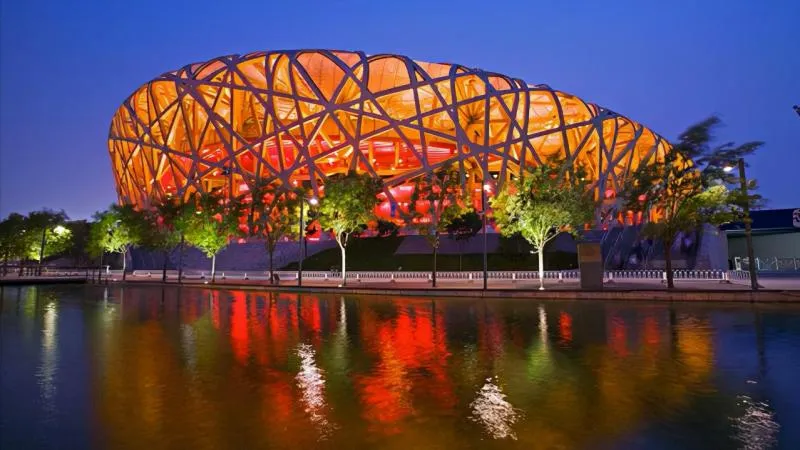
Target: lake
x,y
152,368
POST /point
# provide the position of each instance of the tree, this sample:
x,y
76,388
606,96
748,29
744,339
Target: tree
x,y
115,231
440,195
274,215
347,207
687,187
208,222
158,230
49,225
463,228
13,244
548,200
386,228
79,243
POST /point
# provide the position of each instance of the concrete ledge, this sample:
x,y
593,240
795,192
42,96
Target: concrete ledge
x,y
42,280
643,295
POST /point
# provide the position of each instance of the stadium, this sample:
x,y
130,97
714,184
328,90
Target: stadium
x,y
297,117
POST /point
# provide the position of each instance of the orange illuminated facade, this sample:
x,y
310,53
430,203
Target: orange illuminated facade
x,y
297,117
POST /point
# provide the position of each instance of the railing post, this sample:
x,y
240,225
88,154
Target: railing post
x,y
513,277
560,276
663,276
610,277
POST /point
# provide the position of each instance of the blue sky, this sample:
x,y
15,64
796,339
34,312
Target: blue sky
x,y
66,66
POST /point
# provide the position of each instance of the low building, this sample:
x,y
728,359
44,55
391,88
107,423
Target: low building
x,y
776,239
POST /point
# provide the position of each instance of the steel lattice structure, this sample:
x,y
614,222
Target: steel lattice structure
x,y
299,116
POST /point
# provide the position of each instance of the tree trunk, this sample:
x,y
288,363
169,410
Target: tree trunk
x,y
164,270
41,251
213,268
541,269
344,268
124,262
460,254
668,263
180,258
21,266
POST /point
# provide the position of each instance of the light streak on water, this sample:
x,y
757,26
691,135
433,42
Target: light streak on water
x,y
312,386
756,428
491,410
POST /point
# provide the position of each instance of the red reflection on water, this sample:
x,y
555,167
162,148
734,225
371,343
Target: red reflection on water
x,y
239,334
618,336
565,327
412,356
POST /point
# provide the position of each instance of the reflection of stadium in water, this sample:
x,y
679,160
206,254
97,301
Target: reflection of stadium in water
x,y
256,370
401,360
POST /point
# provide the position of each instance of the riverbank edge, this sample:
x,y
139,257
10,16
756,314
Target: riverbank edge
x,y
640,295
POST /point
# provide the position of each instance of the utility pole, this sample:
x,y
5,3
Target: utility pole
x,y
748,229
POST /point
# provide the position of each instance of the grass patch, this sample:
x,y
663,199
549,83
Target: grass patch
x,y
378,254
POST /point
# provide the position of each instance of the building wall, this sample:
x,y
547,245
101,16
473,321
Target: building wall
x,y
782,245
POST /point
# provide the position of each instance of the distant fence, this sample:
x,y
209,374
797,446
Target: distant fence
x,y
393,276
401,276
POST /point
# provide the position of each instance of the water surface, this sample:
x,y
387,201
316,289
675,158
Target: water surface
x,y
94,367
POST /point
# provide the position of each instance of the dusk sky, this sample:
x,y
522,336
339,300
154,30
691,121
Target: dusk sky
x,y
67,65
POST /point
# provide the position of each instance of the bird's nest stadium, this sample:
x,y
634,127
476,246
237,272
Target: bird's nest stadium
x,y
297,117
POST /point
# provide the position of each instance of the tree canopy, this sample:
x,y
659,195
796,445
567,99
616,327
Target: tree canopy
x,y
114,230
547,200
690,186
347,207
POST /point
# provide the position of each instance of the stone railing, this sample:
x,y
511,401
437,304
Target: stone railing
x,y
466,276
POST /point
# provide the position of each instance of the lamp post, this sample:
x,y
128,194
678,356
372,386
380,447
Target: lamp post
x,y
302,236
486,187
748,229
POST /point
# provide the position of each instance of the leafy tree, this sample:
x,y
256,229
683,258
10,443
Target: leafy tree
x,y
79,243
274,215
347,207
208,222
549,199
49,226
13,242
689,186
440,195
463,228
158,229
115,231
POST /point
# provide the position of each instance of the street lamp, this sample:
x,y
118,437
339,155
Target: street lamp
x,y
486,188
748,229
302,236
